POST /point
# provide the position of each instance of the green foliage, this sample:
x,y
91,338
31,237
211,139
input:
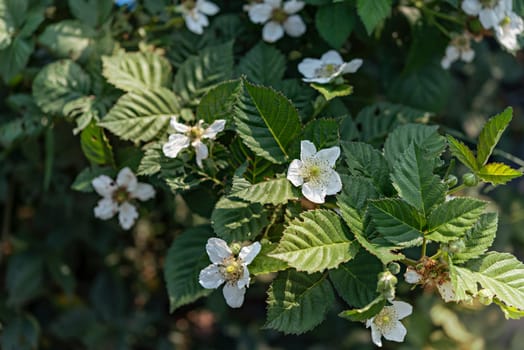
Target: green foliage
x,y
322,132
21,334
276,191
264,263
95,146
83,180
219,101
68,39
335,22
330,91
462,153
91,12
498,173
373,12
478,239
366,312
490,135
263,64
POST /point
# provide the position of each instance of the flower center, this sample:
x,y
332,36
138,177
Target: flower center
x,y
279,15
385,319
196,132
489,3
315,170
232,269
505,21
327,70
121,195
189,4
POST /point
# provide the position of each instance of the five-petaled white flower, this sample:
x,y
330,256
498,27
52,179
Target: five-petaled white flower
x,y
193,135
386,323
459,47
508,30
117,196
278,18
195,14
490,12
327,68
226,267
314,172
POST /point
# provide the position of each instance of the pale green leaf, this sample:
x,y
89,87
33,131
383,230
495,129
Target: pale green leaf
x,y
275,191
155,161
478,239
366,312
497,173
463,153
373,12
96,146
264,263
330,91
68,39
491,133
263,64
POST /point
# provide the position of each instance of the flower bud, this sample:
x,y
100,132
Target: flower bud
x,y
470,179
456,246
235,248
485,296
451,180
386,284
394,268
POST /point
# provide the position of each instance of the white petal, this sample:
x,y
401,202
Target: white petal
x,y
175,144
446,62
200,151
452,53
217,249
143,191
207,7
402,309
308,66
196,22
334,183
446,291
329,155
307,149
104,185
313,192
319,80
352,66
468,55
234,296
183,128
106,209
210,277
127,179
471,7
212,131
294,173
411,276
488,18
272,31
260,13
294,26
247,254
376,335
332,57
274,3
395,333
293,6
244,280
127,215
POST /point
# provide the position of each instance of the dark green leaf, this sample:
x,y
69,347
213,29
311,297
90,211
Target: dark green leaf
x,y
263,64
335,22
373,12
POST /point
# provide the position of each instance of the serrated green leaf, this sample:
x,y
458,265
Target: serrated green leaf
x,y
14,58
141,116
68,39
219,101
415,182
373,12
490,135
497,173
356,280
83,180
96,146
452,219
275,191
264,263
185,259
91,12
137,71
356,191
263,64
237,220
462,153
322,132
397,221
365,313
298,302
315,241
478,239
330,91
267,122
335,22
155,161
198,74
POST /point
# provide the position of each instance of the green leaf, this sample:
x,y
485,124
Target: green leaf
x,y
315,241
322,132
141,116
199,73
330,91
497,173
453,218
83,180
415,182
58,83
24,278
275,191
491,133
96,146
365,313
298,302
356,191
20,333
185,259
137,71
267,122
264,263
68,39
356,280
397,221
155,161
462,153
373,12
236,220
478,239
14,58
335,22
263,64
91,12
500,273
219,101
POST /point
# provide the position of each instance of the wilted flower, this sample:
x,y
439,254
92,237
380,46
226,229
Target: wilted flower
x,y
327,68
192,135
459,47
386,323
278,18
314,172
195,14
490,12
412,276
446,291
226,267
508,30
117,196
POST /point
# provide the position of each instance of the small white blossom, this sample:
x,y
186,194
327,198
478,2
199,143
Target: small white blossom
x,y
412,276
386,323
314,172
459,47
278,18
195,14
490,12
192,135
508,31
327,68
117,196
228,268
